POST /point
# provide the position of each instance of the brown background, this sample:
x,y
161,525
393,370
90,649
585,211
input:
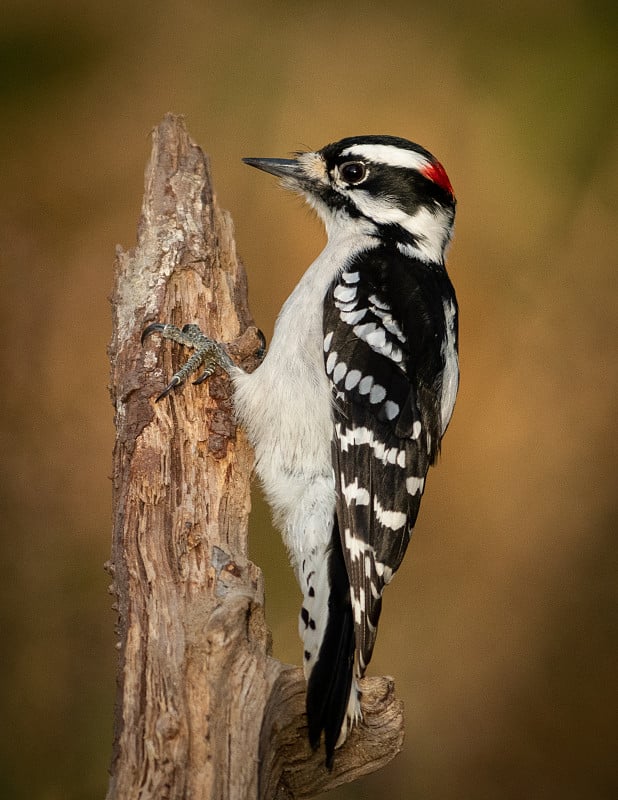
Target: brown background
x,y
500,628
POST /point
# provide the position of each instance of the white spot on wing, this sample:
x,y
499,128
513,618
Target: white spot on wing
x,y
384,572
344,293
381,304
390,351
363,331
364,387
377,393
391,409
352,378
361,597
389,323
414,485
390,519
339,371
354,493
376,339
364,436
331,361
352,317
357,548
368,566
358,609
350,305
375,336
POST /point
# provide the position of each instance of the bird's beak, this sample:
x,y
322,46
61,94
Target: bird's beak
x,y
281,167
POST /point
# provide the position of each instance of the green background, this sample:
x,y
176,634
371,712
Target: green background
x,y
500,628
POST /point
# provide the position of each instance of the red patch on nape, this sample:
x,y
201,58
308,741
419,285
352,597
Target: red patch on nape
x,y
436,173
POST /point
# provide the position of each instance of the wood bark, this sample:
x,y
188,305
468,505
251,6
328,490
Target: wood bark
x,y
203,711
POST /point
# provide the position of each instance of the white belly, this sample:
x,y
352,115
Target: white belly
x,y
286,407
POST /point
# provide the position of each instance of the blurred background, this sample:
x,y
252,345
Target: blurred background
x,y
500,628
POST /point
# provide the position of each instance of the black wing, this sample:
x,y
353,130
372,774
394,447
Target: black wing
x,y
384,328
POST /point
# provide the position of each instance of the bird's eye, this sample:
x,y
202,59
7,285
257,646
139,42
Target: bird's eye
x,y
353,171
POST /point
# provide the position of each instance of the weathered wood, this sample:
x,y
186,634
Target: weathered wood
x,y
203,711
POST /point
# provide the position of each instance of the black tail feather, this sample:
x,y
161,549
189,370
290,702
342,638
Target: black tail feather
x,y
329,685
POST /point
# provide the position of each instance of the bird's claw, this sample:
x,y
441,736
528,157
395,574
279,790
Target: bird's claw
x,y
208,353
155,327
170,387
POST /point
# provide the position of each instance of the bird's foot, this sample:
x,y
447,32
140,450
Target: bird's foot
x,y
208,354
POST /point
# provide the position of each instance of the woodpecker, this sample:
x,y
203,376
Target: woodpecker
x,y
347,410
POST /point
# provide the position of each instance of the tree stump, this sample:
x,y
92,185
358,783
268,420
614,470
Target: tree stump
x,y
203,711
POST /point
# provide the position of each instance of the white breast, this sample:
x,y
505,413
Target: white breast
x,y
285,405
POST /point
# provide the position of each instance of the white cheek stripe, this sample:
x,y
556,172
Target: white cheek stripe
x,y
430,228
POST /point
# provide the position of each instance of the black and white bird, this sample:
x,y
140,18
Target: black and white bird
x,y
348,408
